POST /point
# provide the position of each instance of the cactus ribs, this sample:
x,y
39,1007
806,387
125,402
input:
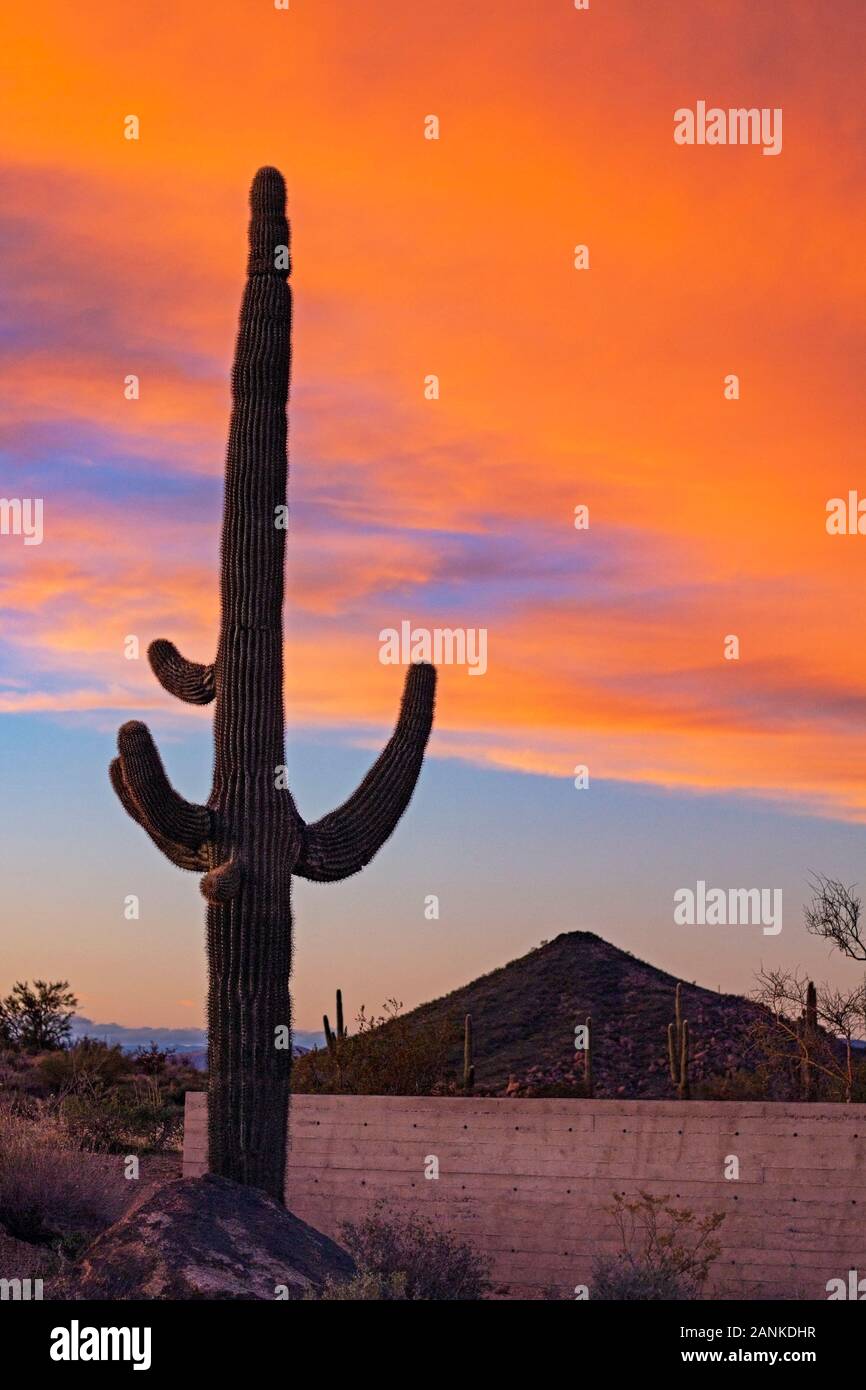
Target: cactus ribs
x,y
248,840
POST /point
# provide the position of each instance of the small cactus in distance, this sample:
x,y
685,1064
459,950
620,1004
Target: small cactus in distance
x,y
678,1049
809,1035
334,1041
468,1061
587,1056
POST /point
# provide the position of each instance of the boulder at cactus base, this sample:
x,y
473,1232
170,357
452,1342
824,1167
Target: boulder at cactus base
x,y
209,1238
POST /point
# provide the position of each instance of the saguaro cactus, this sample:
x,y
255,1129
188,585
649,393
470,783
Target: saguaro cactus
x,y
334,1040
678,1048
587,1057
809,1036
468,1058
249,839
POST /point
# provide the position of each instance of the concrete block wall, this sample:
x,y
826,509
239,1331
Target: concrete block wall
x,y
528,1180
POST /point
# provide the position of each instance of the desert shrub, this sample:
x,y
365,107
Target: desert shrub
x,y
618,1279
20,1079
122,1119
46,1192
428,1262
387,1056
37,1018
365,1288
179,1077
734,1085
666,1251
151,1061
811,1038
87,1063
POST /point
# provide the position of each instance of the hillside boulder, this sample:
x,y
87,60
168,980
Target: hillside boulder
x,y
208,1238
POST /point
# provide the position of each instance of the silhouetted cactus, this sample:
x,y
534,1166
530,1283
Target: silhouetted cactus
x,y
468,1062
678,1049
810,1036
334,1041
249,839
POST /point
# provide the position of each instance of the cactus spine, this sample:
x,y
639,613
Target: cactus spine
x,y
468,1062
248,840
810,1033
678,1049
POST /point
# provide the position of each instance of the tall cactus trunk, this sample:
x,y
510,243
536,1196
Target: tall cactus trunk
x,y
678,1048
468,1057
249,944
810,1034
249,838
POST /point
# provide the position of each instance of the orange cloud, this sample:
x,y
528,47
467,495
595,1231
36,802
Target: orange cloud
x,y
557,387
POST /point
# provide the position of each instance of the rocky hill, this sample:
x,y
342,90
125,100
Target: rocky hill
x,y
524,1016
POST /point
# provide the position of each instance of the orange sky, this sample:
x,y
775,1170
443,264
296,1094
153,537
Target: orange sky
x,y
558,386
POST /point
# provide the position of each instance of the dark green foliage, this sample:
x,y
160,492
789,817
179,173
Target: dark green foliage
x,y
37,1018
249,839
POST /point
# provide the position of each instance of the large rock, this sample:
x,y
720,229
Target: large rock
x,y
209,1238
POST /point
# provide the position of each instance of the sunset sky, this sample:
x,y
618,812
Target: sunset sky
x,y
559,387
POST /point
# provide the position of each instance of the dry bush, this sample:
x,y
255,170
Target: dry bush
x,y
387,1056
86,1063
48,1195
137,1118
409,1258
665,1252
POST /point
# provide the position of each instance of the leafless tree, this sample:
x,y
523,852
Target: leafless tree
x,y
809,1031
834,915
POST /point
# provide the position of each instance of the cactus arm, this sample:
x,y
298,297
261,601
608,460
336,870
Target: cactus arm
x,y
158,808
341,1031
341,843
192,859
187,680
672,1058
223,883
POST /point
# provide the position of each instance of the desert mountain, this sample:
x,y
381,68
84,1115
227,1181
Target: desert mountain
x,y
524,1015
